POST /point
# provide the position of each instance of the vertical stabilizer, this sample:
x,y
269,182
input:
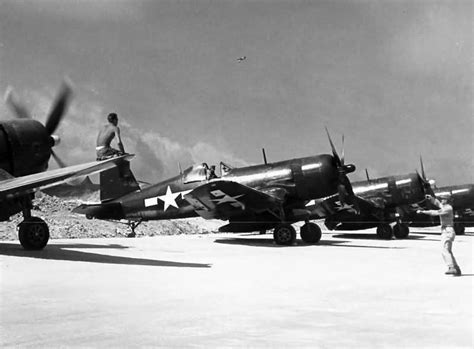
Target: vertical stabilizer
x,y
117,181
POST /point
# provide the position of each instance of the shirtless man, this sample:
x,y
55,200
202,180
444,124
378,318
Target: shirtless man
x,y
446,217
106,134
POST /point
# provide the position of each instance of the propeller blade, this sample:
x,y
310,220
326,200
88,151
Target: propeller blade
x,y
342,152
422,168
59,108
58,159
334,152
19,110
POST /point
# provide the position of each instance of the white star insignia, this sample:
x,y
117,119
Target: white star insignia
x,y
169,198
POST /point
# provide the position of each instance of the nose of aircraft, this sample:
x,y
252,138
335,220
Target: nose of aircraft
x,y
344,186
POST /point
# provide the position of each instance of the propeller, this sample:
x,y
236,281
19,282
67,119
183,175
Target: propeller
x,y
344,186
427,183
59,108
12,100
55,116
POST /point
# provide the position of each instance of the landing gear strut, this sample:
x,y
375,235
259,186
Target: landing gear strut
x,y
401,230
459,228
284,234
384,231
133,225
310,233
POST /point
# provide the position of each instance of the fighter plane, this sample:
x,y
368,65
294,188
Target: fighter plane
x,y
379,202
253,198
463,205
462,201
26,146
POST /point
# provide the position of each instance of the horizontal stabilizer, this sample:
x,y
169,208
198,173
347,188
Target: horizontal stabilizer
x,y
112,210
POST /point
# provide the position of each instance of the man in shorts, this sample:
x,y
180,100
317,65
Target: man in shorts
x,y
107,133
446,217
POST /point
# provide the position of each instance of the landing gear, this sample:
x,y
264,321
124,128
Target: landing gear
x,y
133,225
310,233
401,230
33,233
459,228
284,234
384,231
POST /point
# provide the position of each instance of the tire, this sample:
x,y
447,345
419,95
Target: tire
x,y
401,230
384,231
284,234
459,228
310,233
33,233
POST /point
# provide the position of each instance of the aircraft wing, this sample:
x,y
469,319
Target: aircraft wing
x,y
330,206
19,186
224,199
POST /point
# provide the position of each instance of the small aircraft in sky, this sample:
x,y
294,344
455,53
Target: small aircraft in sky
x,y
26,146
241,59
380,202
253,198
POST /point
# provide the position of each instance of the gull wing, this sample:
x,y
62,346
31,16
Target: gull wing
x,y
225,199
20,186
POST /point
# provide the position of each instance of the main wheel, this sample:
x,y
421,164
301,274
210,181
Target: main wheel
x,y
284,234
33,233
459,228
310,233
401,230
384,231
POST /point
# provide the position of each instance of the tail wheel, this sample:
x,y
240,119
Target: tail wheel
x,y
459,228
401,230
284,234
310,233
384,231
33,233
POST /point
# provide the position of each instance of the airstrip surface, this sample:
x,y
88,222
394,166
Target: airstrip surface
x,y
236,290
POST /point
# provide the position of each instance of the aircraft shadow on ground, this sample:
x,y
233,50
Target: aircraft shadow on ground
x,y
362,236
63,252
267,242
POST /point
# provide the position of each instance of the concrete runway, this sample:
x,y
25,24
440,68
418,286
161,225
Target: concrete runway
x,y
237,290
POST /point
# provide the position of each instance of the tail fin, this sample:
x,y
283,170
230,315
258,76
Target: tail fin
x,y
117,181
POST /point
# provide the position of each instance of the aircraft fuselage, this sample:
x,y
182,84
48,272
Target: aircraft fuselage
x,y
302,179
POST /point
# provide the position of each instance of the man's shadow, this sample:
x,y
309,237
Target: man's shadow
x,y
64,252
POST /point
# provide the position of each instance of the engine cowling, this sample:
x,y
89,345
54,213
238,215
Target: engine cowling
x,y
25,147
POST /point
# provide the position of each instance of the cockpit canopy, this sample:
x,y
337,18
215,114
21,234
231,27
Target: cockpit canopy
x,y
202,172
196,173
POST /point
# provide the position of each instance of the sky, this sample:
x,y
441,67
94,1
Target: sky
x,y
394,77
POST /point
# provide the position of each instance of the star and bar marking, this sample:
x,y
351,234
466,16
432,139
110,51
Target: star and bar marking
x,y
169,199
222,198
